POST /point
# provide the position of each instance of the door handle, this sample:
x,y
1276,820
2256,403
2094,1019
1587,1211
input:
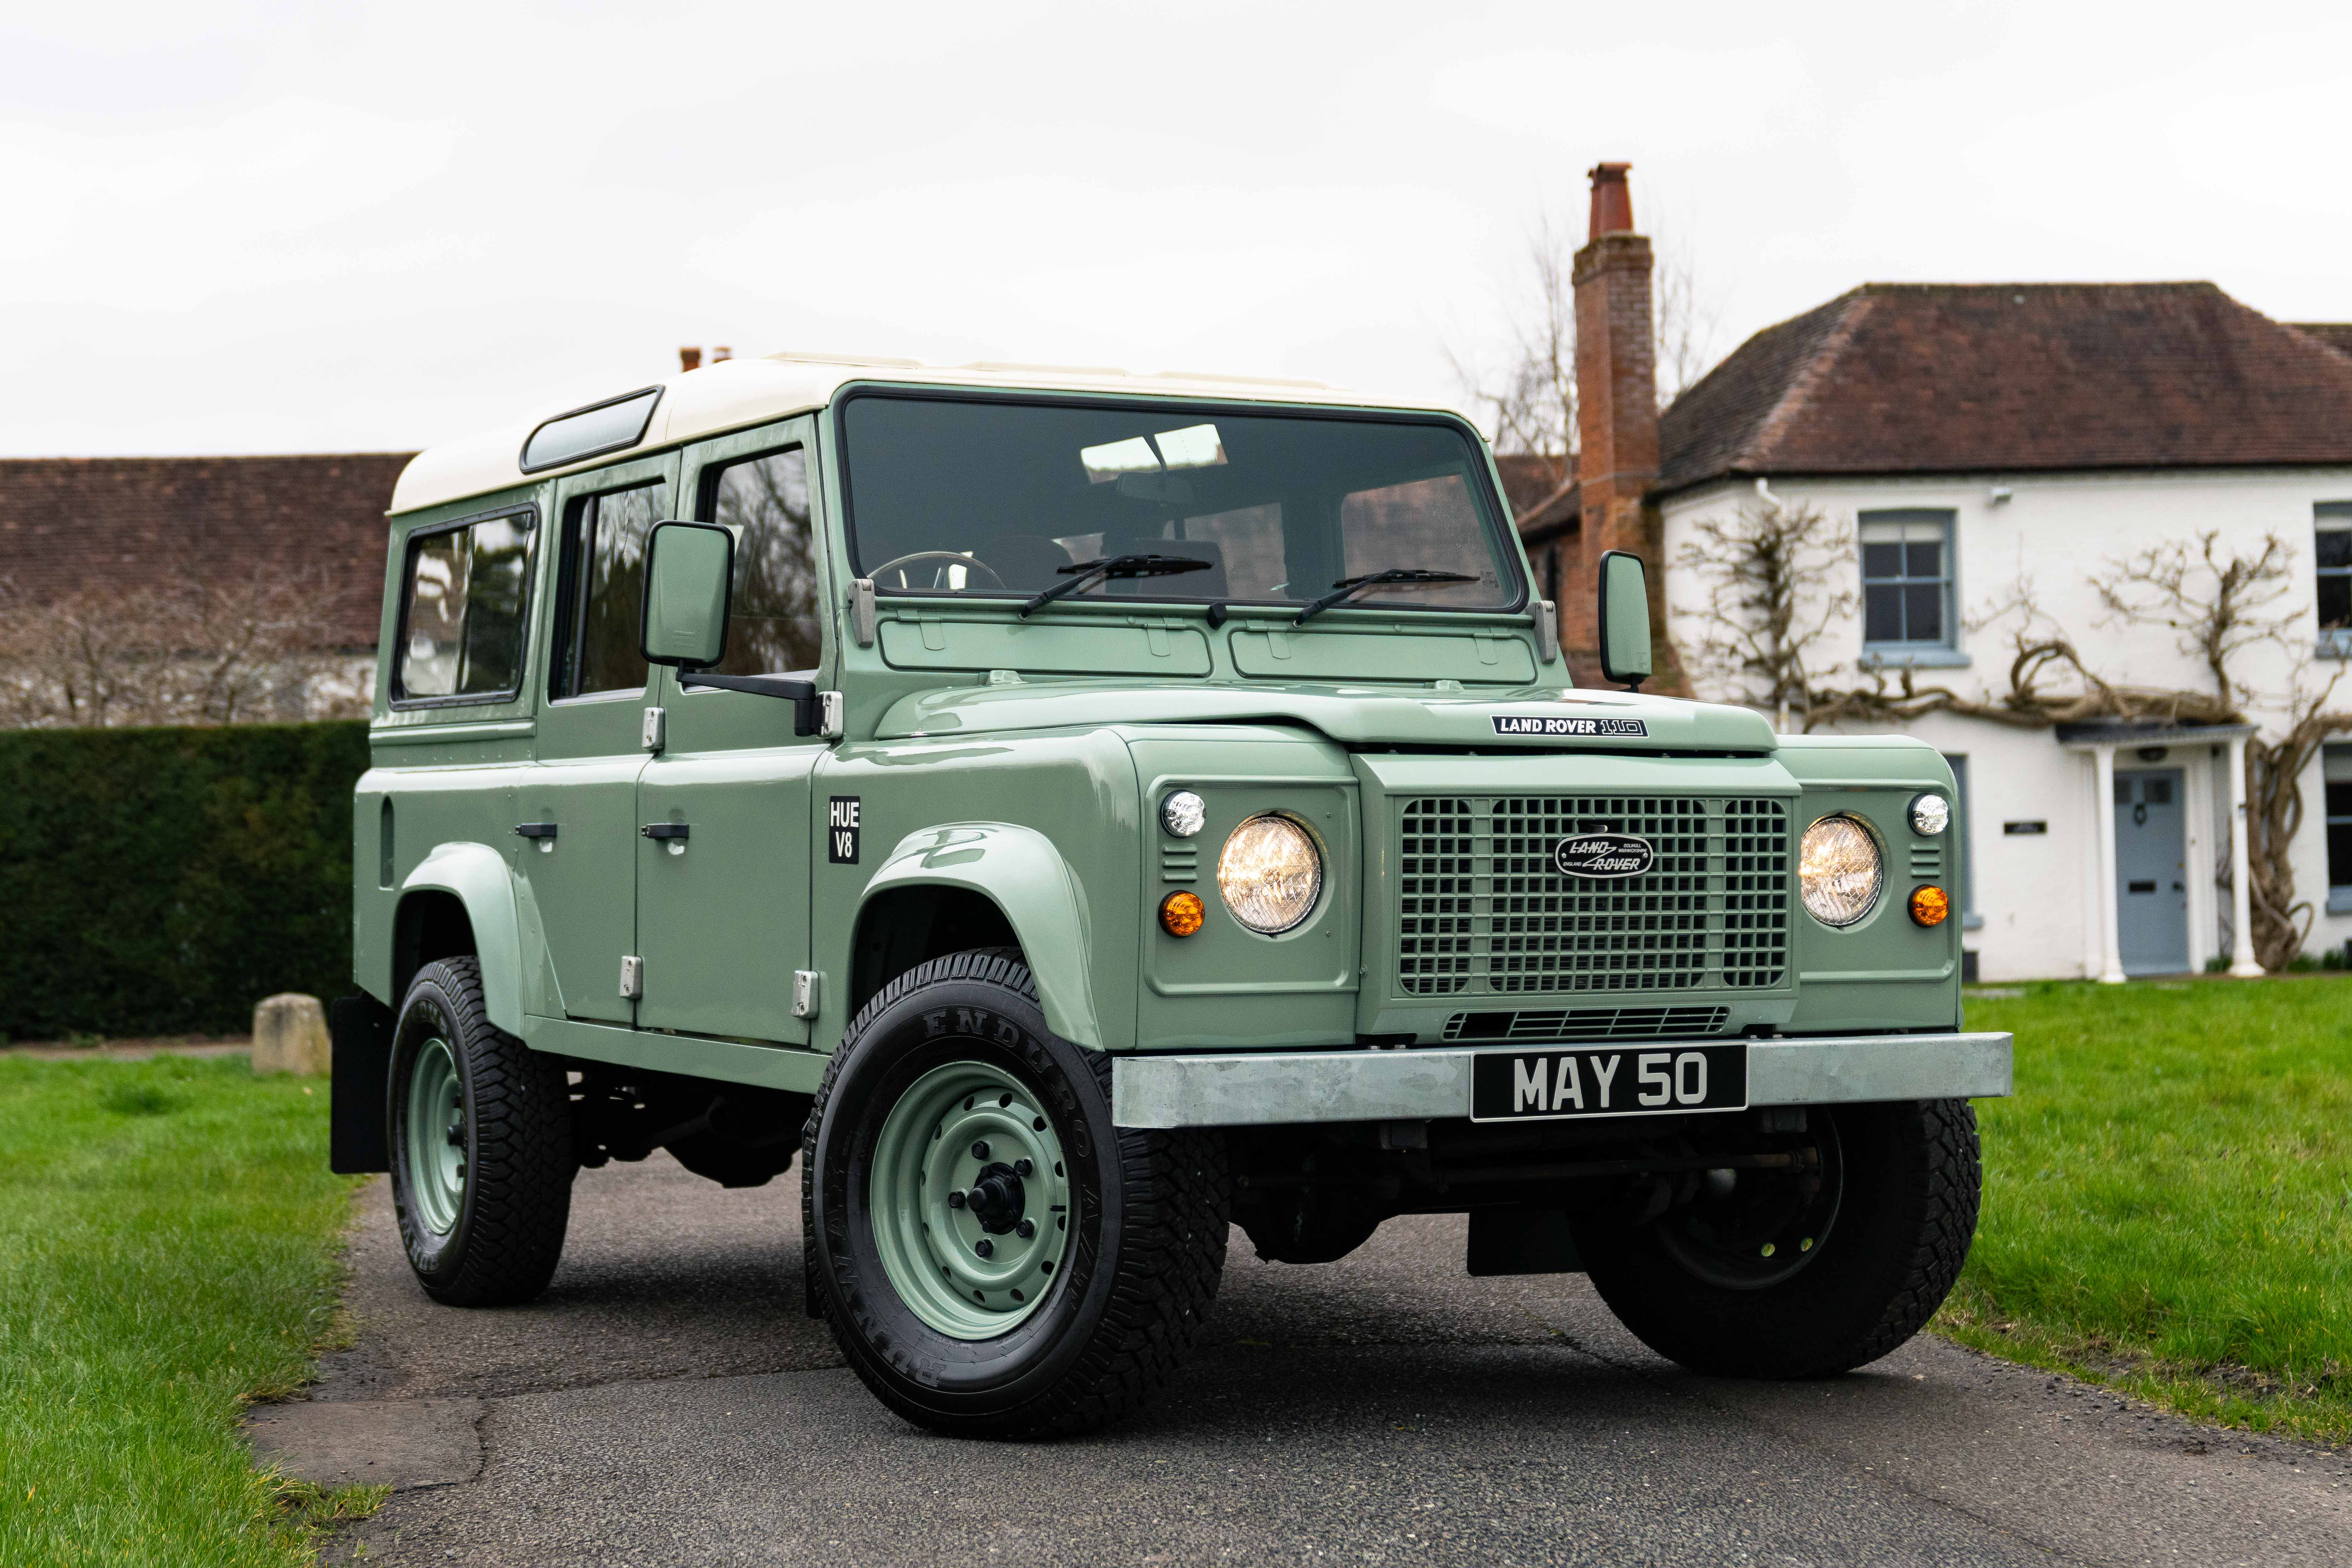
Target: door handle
x,y
664,831
535,829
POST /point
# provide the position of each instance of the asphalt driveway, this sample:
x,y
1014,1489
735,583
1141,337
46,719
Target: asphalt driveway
x,y
668,1403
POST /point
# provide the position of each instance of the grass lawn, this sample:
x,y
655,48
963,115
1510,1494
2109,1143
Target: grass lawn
x,y
168,1248
2168,1197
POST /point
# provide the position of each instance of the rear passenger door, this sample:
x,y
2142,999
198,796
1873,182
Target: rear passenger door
x,y
723,908
581,802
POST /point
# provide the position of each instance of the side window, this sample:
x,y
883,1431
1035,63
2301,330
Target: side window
x,y
2331,524
771,618
463,594
604,556
1906,579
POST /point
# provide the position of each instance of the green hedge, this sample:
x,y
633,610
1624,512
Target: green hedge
x,y
162,881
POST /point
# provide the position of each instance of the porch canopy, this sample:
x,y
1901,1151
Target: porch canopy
x,y
2102,740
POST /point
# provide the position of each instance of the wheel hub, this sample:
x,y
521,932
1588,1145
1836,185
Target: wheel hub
x,y
970,1199
997,1200
436,1137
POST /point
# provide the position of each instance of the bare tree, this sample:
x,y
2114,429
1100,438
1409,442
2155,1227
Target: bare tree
x,y
1687,320
1530,395
2219,605
181,651
1773,578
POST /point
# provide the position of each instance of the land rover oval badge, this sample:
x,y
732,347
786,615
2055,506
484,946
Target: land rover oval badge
x,y
1602,855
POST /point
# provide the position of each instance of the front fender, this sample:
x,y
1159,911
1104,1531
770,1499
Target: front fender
x,y
477,876
1019,871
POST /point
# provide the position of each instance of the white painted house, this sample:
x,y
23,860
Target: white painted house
x,y
1985,443
1970,445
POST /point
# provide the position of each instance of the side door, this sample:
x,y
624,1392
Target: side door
x,y
723,906
579,806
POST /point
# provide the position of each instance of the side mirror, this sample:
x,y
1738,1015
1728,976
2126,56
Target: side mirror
x,y
1624,618
689,567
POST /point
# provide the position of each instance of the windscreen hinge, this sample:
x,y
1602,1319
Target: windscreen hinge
x,y
861,610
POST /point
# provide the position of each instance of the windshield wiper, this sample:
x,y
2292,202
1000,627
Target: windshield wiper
x,y
1087,572
1347,588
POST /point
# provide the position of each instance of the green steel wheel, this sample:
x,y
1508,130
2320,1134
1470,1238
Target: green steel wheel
x,y
914,1200
971,1199
480,1136
437,1136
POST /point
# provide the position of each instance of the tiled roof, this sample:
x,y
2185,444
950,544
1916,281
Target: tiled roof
x,y
67,522
2336,335
1975,378
1540,502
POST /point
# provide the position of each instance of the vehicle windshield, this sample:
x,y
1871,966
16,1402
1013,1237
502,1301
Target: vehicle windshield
x,y
953,496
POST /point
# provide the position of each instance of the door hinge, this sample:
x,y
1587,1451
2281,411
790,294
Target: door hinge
x,y
653,732
633,977
804,993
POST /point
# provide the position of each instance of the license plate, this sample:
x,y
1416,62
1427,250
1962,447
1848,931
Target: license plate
x,y
1550,1086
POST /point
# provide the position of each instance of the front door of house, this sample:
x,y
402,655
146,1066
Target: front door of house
x,y
2151,872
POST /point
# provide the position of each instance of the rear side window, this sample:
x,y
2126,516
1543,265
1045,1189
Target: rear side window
x,y
604,557
463,599
771,620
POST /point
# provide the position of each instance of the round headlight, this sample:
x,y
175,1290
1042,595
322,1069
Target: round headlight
x,y
1270,874
1839,871
1183,814
1930,814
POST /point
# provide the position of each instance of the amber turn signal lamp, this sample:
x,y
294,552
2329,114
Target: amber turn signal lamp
x,y
1929,906
1181,913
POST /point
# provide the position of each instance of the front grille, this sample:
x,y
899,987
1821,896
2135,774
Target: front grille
x,y
1481,910
1590,1024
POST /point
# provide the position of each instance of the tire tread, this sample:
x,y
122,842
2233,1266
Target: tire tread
x,y
1171,1252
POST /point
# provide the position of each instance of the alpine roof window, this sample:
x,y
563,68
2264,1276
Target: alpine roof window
x,y
463,594
1003,497
613,426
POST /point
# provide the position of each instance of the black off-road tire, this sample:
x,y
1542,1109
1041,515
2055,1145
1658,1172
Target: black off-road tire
x,y
516,1140
1913,1178
1147,1246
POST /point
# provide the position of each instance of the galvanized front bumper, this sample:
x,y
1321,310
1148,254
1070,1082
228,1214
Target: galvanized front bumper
x,y
1266,1088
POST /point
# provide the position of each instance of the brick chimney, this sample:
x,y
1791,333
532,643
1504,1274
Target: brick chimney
x,y
1616,412
690,359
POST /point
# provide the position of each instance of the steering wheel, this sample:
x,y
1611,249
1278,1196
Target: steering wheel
x,y
949,557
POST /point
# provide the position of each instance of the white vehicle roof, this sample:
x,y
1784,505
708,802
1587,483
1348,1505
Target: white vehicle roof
x,y
737,393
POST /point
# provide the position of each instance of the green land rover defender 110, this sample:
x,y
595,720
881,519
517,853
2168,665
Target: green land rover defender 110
x,y
1075,814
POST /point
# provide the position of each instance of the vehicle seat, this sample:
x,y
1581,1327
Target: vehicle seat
x,y
1028,562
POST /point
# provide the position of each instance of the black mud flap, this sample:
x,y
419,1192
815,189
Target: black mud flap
x,y
1522,1241
361,1027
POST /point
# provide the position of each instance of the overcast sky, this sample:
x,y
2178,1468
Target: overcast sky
x,y
246,226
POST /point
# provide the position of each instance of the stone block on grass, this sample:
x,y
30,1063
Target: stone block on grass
x,y
289,1034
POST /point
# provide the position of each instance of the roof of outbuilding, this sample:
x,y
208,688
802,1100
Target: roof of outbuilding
x,y
2336,335
2015,377
68,523
1541,502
